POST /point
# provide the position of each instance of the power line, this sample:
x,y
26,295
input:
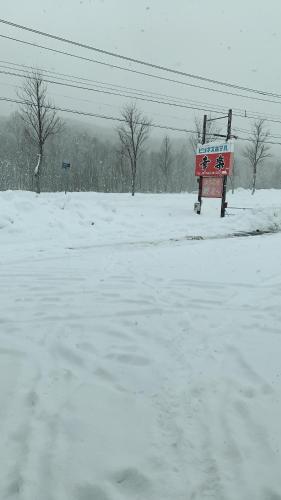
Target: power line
x,y
264,142
128,95
73,78
150,75
95,115
134,95
135,92
245,131
99,103
136,61
218,109
114,118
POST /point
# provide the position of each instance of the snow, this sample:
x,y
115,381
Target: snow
x,y
136,362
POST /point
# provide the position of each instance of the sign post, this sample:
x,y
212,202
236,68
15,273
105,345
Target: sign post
x,y
228,136
66,167
214,162
200,179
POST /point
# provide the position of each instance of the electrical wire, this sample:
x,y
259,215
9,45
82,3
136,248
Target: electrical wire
x,y
147,98
247,131
119,119
218,108
96,115
135,60
137,92
97,83
130,96
150,75
236,129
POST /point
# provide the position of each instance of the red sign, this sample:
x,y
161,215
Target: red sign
x,y
212,187
214,159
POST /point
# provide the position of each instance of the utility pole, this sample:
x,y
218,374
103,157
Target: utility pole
x,y
224,184
201,177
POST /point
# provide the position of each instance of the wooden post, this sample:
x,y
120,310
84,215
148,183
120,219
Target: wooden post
x,y
200,186
228,136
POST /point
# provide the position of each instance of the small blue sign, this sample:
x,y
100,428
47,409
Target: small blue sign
x,y
66,164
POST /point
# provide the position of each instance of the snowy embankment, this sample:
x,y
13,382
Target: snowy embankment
x,y
95,218
136,364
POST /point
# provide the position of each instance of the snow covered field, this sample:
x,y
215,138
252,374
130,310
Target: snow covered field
x,y
135,362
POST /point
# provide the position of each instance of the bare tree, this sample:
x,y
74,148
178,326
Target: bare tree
x,y
196,138
257,150
132,134
166,159
39,116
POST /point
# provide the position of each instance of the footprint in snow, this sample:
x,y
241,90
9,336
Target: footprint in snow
x,y
90,492
130,359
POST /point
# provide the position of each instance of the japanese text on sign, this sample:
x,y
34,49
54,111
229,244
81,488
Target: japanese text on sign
x,y
214,160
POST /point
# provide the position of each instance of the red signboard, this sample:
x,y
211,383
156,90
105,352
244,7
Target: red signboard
x,y
214,159
212,187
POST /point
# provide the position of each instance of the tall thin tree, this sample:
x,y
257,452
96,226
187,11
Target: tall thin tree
x,y
166,160
133,133
39,116
257,149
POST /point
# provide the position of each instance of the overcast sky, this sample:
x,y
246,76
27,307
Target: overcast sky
x,y
238,42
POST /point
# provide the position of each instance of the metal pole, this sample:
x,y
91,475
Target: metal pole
x,y
65,183
204,129
228,136
224,183
201,178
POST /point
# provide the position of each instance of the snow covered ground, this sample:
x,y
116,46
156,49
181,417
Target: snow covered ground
x,y
137,363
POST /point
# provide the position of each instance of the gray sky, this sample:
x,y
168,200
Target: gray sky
x,y
239,42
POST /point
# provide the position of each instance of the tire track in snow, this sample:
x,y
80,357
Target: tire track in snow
x,y
161,353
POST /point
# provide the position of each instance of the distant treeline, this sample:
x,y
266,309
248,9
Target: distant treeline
x,y
98,164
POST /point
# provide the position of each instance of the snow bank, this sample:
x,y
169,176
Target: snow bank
x,y
93,218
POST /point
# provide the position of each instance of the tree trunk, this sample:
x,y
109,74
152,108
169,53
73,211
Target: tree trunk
x,y
166,182
37,183
37,171
133,184
254,179
134,171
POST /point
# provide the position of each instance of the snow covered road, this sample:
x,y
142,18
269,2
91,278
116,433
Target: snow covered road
x,y
138,371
